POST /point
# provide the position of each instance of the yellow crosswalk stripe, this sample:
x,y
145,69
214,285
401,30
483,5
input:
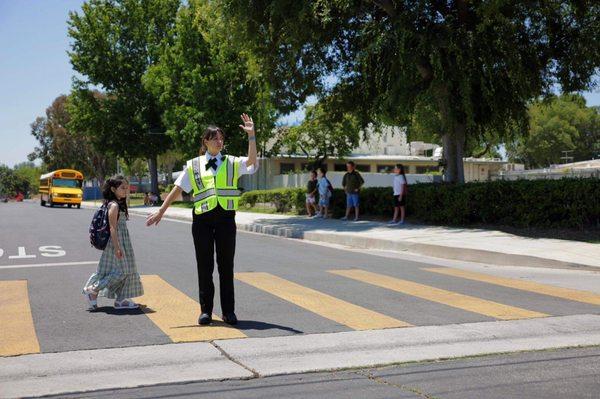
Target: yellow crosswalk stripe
x,y
449,298
176,314
348,314
17,331
559,292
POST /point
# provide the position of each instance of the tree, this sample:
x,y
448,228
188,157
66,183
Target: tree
x,y
204,77
560,124
426,125
322,134
113,45
167,162
137,168
62,145
27,171
477,64
11,183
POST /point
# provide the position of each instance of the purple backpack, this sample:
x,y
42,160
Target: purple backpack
x,y
100,228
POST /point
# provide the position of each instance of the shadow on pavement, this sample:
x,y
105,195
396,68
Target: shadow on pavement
x,y
247,325
122,312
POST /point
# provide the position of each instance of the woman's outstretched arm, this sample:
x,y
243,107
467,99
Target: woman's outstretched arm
x,y
156,216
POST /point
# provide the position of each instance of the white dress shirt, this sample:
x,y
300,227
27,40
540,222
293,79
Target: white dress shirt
x,y
183,181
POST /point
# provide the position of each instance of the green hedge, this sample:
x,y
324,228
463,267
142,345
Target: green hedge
x,y
284,199
565,203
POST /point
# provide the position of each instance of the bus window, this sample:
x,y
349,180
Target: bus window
x,y
66,183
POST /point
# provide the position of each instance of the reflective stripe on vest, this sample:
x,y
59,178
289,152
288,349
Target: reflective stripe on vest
x,y
197,175
221,192
204,194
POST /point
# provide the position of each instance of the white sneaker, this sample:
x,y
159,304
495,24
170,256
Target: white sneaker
x,y
126,304
355,219
392,222
318,215
344,218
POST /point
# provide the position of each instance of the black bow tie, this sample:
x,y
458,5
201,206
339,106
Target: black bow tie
x,y
212,164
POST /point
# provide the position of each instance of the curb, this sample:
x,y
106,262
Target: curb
x,y
249,358
433,250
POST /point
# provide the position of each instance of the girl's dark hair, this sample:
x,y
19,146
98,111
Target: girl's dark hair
x,y
313,172
210,133
109,195
401,167
323,170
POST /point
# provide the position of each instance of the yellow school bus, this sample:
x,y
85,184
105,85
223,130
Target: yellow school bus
x,y
60,187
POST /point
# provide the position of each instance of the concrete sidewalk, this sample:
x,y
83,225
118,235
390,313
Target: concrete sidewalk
x,y
475,245
90,370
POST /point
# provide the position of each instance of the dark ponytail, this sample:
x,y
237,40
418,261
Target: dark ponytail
x,y
210,133
109,195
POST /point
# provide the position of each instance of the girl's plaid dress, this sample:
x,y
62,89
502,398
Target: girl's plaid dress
x,y
117,278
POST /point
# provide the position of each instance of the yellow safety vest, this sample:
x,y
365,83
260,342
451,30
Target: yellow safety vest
x,y
208,190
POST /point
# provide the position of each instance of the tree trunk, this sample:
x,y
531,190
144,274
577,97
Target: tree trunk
x,y
454,146
152,166
453,140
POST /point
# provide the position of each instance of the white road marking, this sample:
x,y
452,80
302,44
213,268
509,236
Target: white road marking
x,y
52,251
93,262
22,254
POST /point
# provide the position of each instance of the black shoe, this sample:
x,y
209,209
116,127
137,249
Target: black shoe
x,y
205,319
230,318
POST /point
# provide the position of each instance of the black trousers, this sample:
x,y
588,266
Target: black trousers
x,y
215,230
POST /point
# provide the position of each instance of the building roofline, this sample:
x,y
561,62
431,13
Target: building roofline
x,y
393,158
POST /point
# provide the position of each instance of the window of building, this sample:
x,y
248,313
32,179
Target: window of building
x,y
339,167
363,168
385,168
427,169
286,167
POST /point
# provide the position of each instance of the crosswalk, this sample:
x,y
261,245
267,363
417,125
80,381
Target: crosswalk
x,y
17,332
175,313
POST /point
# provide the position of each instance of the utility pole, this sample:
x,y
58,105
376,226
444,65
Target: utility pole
x,y
153,163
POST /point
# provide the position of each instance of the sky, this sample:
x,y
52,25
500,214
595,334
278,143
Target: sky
x,y
35,69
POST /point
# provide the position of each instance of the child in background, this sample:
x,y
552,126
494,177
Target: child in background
x,y
311,192
324,187
400,185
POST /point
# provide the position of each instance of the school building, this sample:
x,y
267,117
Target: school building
x,y
375,160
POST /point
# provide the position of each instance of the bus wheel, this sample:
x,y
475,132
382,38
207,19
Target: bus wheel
x,y
69,205
50,203
78,206
42,202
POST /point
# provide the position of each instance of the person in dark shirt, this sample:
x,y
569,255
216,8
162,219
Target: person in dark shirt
x,y
352,183
311,191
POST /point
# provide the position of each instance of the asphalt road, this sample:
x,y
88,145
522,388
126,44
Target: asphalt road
x,y
47,247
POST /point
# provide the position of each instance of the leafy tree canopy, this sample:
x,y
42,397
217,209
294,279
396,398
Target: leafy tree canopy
x,y
477,64
205,77
113,45
559,124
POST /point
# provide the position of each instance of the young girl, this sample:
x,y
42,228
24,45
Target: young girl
x,y
400,184
212,180
117,275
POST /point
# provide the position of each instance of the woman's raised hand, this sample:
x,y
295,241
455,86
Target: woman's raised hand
x,y
248,125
